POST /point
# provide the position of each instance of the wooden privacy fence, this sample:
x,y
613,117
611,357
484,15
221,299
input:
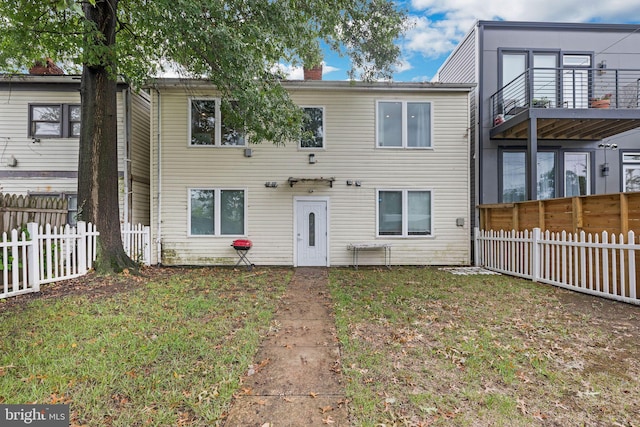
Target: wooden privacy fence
x,y
16,211
38,255
614,213
603,265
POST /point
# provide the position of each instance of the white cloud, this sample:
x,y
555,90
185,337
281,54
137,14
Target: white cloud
x,y
532,10
440,24
403,65
433,37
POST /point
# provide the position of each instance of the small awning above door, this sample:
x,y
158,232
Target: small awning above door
x,y
292,181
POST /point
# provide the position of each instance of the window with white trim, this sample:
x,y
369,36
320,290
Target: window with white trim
x,y
577,174
54,121
404,213
404,124
217,212
631,171
312,128
207,125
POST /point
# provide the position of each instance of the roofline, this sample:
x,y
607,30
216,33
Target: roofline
x,y
556,26
330,85
29,80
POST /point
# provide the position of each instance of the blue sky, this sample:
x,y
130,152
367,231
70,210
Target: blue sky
x,y
438,25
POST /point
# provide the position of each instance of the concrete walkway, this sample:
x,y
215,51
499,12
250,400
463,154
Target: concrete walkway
x,y
296,380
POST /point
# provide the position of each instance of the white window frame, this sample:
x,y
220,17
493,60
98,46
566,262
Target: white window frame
x,y
404,145
628,164
324,129
405,212
217,211
564,169
217,143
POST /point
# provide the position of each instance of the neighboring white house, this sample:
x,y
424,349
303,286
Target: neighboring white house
x,y
39,135
389,164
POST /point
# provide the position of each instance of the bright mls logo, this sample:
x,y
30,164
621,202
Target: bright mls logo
x,y
34,415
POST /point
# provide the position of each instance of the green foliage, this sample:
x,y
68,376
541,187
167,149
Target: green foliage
x,y
10,257
236,44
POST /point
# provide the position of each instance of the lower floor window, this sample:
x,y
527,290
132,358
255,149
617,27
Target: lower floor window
x,y
216,212
631,171
404,213
577,174
576,167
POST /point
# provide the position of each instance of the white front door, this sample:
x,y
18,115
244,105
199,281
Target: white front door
x,y
311,233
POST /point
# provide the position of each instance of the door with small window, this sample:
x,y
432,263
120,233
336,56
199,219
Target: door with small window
x,y
311,233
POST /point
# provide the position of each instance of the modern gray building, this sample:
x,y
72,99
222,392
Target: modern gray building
x,y
556,109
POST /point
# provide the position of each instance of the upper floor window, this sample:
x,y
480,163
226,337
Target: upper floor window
x,y
313,128
54,121
404,124
207,125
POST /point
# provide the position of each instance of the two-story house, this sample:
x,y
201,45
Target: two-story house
x,y
39,136
388,164
555,111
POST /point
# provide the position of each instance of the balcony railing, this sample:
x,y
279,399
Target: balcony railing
x,y
576,88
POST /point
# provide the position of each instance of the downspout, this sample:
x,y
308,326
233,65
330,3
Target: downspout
x,y
159,181
126,99
480,106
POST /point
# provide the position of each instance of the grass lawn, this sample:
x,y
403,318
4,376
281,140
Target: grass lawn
x,y
425,347
420,346
165,351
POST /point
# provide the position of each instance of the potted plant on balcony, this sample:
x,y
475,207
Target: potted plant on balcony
x,y
541,102
602,102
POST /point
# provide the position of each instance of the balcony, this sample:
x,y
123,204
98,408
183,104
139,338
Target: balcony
x,y
567,104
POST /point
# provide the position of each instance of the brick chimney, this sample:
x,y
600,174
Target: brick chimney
x,y
314,73
50,69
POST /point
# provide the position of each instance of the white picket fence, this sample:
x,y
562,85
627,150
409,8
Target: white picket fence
x,y
600,265
40,255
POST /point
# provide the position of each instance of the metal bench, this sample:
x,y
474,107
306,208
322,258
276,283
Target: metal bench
x,y
357,247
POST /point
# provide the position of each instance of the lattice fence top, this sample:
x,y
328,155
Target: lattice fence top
x,y
18,210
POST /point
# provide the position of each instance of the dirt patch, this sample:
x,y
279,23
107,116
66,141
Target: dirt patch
x,y
91,285
297,378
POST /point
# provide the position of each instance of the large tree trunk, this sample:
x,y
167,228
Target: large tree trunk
x,y
98,157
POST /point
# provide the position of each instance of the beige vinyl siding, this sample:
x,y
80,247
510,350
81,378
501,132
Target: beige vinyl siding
x,y
349,154
139,153
38,185
51,164
49,154
463,66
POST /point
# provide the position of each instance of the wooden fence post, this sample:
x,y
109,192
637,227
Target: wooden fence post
x,y
33,256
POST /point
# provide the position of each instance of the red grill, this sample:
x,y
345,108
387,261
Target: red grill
x,y
242,244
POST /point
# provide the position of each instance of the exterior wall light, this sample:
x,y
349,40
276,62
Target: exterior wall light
x,y
312,159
